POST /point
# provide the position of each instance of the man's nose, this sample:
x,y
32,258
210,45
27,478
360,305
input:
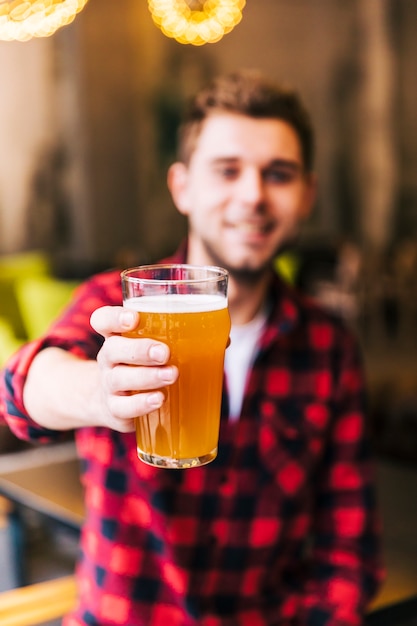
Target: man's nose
x,y
251,186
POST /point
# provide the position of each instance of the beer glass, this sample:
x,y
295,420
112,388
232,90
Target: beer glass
x,y
184,306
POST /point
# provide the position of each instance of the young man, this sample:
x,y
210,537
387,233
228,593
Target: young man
x,y
281,528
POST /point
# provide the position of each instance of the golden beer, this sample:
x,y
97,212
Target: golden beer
x,y
184,431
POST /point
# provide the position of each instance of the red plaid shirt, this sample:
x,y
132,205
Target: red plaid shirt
x,y
280,529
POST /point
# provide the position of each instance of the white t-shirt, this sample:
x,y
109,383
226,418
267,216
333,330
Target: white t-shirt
x,y
240,356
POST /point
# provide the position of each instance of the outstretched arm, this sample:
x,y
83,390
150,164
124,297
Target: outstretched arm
x,y
63,391
83,372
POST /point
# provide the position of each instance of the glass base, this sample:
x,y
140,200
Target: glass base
x,y
170,463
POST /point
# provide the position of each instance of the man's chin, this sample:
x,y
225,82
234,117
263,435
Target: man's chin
x,y
248,273
245,268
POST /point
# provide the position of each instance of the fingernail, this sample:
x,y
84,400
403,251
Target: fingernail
x,y
155,400
166,374
127,319
158,353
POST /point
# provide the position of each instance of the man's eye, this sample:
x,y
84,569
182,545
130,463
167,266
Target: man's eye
x,y
227,172
280,176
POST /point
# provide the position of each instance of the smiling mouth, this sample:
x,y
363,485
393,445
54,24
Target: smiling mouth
x,y
251,228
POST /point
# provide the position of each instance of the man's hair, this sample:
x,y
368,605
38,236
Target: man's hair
x,y
246,93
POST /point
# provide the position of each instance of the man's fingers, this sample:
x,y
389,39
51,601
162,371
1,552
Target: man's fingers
x,y
141,351
134,370
124,379
108,320
135,405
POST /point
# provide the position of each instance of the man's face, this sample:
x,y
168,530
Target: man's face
x,y
244,191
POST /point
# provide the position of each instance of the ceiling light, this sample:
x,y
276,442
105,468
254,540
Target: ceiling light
x,y
196,22
21,20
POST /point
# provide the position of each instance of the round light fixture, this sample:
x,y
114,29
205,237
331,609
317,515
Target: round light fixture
x,y
20,20
196,22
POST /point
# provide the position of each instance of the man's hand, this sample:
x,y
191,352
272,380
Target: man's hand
x,y
133,371
63,391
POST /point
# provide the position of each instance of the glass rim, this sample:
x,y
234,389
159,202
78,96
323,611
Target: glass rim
x,y
218,273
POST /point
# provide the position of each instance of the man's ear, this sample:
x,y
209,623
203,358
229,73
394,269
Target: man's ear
x,y
177,179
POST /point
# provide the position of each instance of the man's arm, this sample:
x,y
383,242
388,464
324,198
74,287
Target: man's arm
x,y
63,391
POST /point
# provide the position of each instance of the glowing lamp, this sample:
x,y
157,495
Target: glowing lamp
x,y
196,22
21,20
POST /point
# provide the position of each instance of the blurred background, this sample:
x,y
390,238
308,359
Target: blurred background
x,y
87,131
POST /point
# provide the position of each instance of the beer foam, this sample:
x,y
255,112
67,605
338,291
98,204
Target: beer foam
x,y
177,303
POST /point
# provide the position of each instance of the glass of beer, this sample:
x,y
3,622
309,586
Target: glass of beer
x,y
184,306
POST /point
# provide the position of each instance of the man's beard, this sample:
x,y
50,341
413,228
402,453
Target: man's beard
x,y
244,275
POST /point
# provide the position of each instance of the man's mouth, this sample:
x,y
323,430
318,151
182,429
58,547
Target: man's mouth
x,y
251,228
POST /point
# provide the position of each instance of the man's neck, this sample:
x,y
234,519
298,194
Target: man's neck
x,y
245,301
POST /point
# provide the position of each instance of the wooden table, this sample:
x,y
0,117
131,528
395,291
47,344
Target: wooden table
x,y
46,480
38,603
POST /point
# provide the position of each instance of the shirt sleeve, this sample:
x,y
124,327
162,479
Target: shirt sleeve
x,y
346,565
71,332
